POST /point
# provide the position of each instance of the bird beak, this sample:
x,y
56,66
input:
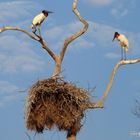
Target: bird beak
x,y
113,38
50,12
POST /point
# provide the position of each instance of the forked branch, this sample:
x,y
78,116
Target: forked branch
x,y
77,34
58,59
100,103
67,41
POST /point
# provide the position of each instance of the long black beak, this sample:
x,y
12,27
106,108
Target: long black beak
x,y
113,38
50,12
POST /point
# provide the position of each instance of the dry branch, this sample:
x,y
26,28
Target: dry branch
x,y
77,34
100,103
45,46
57,103
57,59
33,36
64,103
54,102
67,41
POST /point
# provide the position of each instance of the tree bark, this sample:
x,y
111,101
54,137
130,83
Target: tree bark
x,y
72,137
57,69
100,103
67,41
57,59
77,34
31,35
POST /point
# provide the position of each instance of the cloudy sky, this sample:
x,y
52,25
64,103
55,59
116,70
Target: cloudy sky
x,y
88,62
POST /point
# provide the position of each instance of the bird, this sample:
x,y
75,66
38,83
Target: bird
x,y
38,19
124,43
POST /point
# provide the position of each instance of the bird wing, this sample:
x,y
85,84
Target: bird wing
x,y
123,40
38,19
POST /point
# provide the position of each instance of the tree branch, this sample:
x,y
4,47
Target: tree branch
x,y
21,30
28,136
45,46
100,103
33,36
77,34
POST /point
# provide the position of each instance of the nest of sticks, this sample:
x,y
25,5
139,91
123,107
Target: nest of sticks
x,y
55,103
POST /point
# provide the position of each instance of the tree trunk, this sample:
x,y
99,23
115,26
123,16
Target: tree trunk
x,y
72,137
57,69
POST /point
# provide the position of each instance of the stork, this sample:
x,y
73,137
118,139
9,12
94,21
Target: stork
x,y
124,44
38,19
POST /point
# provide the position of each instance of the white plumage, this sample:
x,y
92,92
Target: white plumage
x,y
124,43
39,19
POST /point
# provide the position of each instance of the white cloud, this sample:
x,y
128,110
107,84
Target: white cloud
x,y
8,93
80,44
55,32
60,33
17,56
122,9
135,133
7,88
112,55
119,13
97,35
15,9
98,2
63,31
18,13
102,35
5,100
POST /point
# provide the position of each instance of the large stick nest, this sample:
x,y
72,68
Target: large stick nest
x,y
54,102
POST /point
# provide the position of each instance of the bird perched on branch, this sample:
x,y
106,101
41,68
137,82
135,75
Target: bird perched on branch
x,y
124,44
36,23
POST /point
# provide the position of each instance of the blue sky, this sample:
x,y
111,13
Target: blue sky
x,y
88,62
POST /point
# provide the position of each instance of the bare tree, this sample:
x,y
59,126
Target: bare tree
x,y
58,59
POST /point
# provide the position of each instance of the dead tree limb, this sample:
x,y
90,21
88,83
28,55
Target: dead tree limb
x,y
33,36
100,103
67,41
45,46
29,138
59,58
77,34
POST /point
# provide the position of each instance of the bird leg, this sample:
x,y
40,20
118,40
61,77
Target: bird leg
x,y
122,53
33,29
39,31
125,55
